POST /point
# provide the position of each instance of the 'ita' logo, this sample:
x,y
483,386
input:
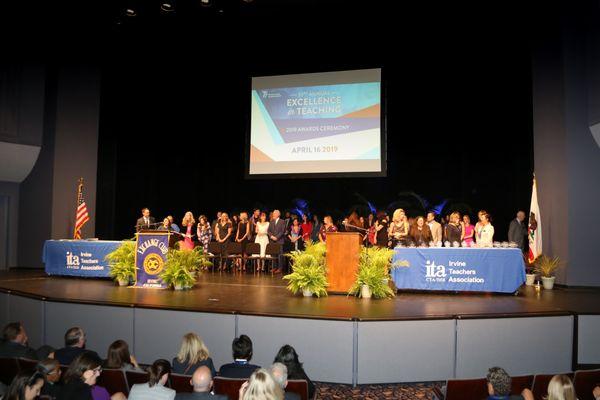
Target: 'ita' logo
x,y
434,271
72,260
265,93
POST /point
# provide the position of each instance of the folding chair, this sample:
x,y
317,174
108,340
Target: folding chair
x,y
215,254
252,254
228,386
272,253
234,251
584,383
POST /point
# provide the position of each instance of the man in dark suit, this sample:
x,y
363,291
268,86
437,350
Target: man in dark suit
x,y
280,374
242,354
15,342
202,383
276,234
517,230
74,346
145,222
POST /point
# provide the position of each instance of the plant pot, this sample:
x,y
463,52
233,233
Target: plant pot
x,y
307,293
530,279
123,282
178,287
365,292
548,282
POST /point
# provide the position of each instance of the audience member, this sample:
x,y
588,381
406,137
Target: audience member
x,y
50,368
15,342
154,389
74,345
499,384
82,374
25,386
261,386
118,357
287,355
242,354
280,375
192,355
202,385
561,388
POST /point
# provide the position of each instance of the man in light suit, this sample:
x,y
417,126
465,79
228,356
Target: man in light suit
x,y
276,234
435,227
517,230
202,383
145,222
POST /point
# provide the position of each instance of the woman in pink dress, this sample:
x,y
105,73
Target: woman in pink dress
x,y
468,231
188,230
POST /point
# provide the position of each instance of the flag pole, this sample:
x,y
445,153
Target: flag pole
x,y
79,186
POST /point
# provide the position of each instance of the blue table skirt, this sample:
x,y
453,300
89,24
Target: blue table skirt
x,y
78,257
459,269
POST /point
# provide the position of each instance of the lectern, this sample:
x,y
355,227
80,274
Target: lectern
x,y
342,257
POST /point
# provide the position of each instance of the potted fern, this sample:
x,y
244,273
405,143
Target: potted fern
x,y
546,267
308,271
121,262
373,274
177,272
194,260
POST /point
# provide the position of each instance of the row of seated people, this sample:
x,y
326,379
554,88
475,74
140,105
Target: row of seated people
x,y
86,366
499,385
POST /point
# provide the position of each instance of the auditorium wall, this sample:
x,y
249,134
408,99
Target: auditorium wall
x,y
566,95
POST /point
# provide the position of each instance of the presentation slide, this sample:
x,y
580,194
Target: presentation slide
x,y
322,123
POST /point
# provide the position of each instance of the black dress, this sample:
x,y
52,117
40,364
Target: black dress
x,y
453,233
382,234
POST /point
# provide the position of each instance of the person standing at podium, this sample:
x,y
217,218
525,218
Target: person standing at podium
x,y
327,227
145,222
188,225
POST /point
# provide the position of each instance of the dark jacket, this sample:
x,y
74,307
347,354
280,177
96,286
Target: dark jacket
x,y
517,232
75,390
234,370
10,349
277,229
66,355
200,396
186,369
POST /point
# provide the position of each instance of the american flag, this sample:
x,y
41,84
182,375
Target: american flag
x,y
82,216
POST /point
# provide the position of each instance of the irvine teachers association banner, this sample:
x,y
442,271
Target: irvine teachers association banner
x,y
150,259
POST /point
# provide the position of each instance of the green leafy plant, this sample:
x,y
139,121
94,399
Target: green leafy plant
x,y
122,261
547,266
177,269
308,270
373,271
193,260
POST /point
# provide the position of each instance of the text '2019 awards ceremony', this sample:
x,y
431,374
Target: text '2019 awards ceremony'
x,y
300,199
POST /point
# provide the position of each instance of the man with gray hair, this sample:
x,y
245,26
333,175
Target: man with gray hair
x,y
74,345
280,374
202,384
276,232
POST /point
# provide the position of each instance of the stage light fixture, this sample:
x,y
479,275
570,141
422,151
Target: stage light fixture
x,y
206,3
130,12
167,6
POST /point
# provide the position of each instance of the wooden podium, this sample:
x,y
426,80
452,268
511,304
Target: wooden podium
x,y
342,257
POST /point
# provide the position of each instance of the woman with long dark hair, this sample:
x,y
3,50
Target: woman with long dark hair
x,y
119,357
287,355
25,386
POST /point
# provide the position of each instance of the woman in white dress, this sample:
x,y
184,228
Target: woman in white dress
x,y
484,232
262,238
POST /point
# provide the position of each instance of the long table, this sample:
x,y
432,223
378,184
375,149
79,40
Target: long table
x,y
83,258
459,269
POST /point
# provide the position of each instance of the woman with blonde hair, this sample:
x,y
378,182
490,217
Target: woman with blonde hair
x,y
561,388
187,229
399,228
261,386
192,354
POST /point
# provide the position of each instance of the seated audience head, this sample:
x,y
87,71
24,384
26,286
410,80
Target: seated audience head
x,y
192,349
25,386
276,214
202,380
15,332
280,374
118,355
430,216
561,388
50,368
242,348
75,337
158,372
498,382
86,367
262,386
287,355
44,352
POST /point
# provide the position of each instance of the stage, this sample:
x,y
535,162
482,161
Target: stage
x,y
341,339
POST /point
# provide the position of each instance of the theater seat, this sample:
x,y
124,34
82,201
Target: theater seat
x,y
135,377
299,386
461,389
181,383
9,368
584,382
228,386
540,385
520,383
114,381
26,364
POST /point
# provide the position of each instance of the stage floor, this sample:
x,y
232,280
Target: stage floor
x,y
264,295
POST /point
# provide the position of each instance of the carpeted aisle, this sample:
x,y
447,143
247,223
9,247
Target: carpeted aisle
x,y
330,391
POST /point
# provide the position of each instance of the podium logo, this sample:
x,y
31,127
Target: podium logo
x,y
72,260
153,264
434,271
